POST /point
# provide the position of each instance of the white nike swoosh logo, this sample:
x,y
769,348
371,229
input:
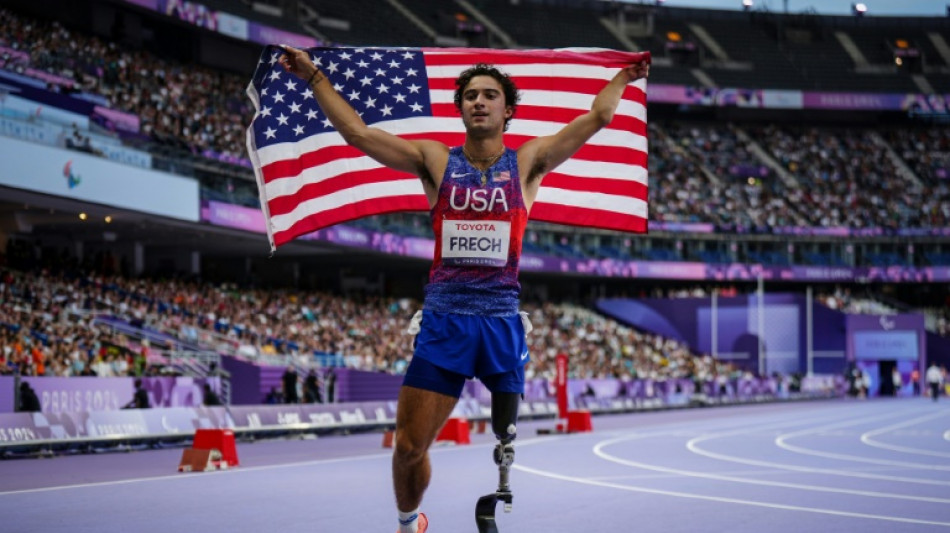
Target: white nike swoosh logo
x,y
456,175
524,356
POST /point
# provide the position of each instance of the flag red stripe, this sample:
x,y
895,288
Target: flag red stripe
x,y
468,57
353,211
285,204
611,154
592,218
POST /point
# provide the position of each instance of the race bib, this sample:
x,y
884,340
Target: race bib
x,y
475,243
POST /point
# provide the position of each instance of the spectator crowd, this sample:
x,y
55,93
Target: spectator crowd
x,y
190,106
49,326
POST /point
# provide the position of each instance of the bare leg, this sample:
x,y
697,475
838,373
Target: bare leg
x,y
420,414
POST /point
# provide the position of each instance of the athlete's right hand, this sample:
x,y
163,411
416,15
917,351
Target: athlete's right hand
x,y
297,62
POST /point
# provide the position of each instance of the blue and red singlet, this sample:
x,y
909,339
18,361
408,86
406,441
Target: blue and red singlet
x,y
479,221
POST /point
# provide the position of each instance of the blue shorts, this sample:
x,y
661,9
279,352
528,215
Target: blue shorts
x,y
422,374
471,346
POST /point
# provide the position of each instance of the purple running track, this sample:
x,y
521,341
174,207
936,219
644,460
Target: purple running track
x,y
819,466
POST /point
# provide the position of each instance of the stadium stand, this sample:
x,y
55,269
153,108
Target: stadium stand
x,y
556,26
371,24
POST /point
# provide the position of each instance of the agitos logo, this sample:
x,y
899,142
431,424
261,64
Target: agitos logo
x,y
73,180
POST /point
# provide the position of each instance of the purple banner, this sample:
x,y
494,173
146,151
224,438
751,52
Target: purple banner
x,y
861,232
202,16
886,337
49,78
679,94
318,415
604,393
267,35
59,395
31,89
790,99
828,231
233,216
225,158
118,119
147,4
21,428
918,232
682,227
934,103
852,101
191,12
16,55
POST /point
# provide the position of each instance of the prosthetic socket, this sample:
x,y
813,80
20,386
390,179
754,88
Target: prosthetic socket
x,y
504,410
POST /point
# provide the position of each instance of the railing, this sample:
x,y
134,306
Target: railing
x,y
201,364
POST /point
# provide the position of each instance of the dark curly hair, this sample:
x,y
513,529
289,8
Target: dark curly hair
x,y
484,69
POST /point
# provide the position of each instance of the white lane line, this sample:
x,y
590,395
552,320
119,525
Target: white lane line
x,y
720,499
765,473
781,441
204,475
693,446
599,451
177,476
246,469
867,438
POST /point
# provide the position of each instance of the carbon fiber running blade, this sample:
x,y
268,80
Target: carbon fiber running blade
x,y
485,514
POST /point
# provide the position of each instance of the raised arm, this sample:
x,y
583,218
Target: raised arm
x,y
416,157
539,156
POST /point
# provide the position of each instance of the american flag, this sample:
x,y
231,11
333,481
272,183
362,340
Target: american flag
x,y
309,178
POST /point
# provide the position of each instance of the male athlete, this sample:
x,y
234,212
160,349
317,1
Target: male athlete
x,y
479,195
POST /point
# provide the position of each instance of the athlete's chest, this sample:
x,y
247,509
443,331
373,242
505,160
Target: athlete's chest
x,y
466,189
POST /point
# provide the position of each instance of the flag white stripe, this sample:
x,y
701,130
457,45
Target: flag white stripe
x,y
436,125
528,70
593,200
581,168
572,167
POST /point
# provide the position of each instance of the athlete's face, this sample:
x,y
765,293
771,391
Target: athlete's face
x,y
483,106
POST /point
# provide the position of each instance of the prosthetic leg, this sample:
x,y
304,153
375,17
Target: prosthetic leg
x,y
504,416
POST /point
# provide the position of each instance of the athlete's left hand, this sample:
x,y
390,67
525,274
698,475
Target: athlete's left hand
x,y
638,70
